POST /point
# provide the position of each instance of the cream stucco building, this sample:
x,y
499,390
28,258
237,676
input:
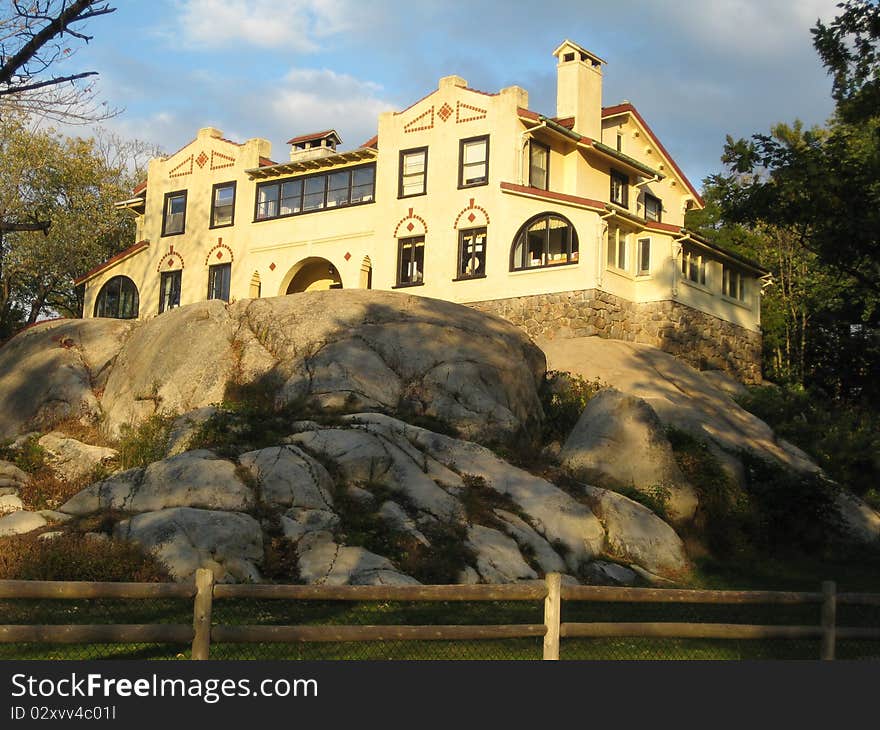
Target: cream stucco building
x,y
570,224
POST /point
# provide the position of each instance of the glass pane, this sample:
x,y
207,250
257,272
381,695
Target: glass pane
x,y
473,253
644,255
558,243
474,152
267,201
313,198
338,189
474,173
621,252
536,246
413,163
414,185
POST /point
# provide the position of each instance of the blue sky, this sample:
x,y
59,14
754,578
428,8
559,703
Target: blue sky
x,y
696,69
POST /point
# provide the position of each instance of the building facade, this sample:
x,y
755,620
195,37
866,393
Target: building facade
x,y
567,225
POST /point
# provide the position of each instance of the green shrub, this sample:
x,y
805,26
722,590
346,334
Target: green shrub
x,y
30,457
76,557
563,398
147,442
844,439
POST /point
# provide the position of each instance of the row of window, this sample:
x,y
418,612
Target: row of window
x,y
118,298
619,195
694,264
278,199
473,167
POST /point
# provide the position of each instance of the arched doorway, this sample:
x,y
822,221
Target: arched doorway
x,y
312,274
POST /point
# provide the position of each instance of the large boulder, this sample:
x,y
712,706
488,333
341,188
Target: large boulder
x,y
21,522
11,478
634,534
51,372
323,561
72,459
349,350
498,556
680,395
289,477
185,539
191,479
619,441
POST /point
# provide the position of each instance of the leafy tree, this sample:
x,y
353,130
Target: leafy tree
x,y
65,180
819,189
34,42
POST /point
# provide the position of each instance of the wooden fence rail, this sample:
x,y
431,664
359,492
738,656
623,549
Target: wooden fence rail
x,y
203,632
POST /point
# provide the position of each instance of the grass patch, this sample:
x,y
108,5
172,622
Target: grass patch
x,y
30,457
76,557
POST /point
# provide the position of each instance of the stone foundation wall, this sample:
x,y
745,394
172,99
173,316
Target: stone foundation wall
x,y
704,341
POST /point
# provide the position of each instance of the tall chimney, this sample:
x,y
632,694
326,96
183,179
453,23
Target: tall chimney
x,y
579,88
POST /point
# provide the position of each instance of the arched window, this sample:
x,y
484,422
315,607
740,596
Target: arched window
x,y
547,239
118,298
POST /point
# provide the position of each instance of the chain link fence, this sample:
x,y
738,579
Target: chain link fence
x,y
285,612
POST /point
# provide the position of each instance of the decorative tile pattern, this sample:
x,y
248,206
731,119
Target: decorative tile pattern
x,y
468,113
473,213
219,160
445,112
170,261
221,251
412,222
184,168
423,121
201,159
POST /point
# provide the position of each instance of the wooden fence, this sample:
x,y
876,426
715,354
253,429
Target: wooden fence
x,y
204,592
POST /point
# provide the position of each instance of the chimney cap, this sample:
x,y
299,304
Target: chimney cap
x,y
582,54
329,135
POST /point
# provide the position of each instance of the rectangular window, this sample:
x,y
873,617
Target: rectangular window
x,y
539,165
223,205
169,290
620,142
693,265
410,261
653,208
218,281
473,162
616,248
316,192
619,189
174,215
471,253
644,256
363,183
413,177
733,284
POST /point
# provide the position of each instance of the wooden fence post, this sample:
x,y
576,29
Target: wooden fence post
x,y
552,615
201,645
829,619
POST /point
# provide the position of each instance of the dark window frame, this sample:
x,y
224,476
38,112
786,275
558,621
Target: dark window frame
x,y
572,243
459,271
624,181
212,274
102,292
659,203
400,248
401,156
480,181
176,274
546,148
234,185
302,179
168,196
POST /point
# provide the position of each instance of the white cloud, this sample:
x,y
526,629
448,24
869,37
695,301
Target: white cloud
x,y
293,24
309,100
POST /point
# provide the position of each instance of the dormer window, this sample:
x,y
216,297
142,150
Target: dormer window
x,y
653,208
619,189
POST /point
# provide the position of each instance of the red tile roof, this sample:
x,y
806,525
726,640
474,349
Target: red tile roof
x,y
313,135
561,197
611,111
372,142
140,188
130,251
266,162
